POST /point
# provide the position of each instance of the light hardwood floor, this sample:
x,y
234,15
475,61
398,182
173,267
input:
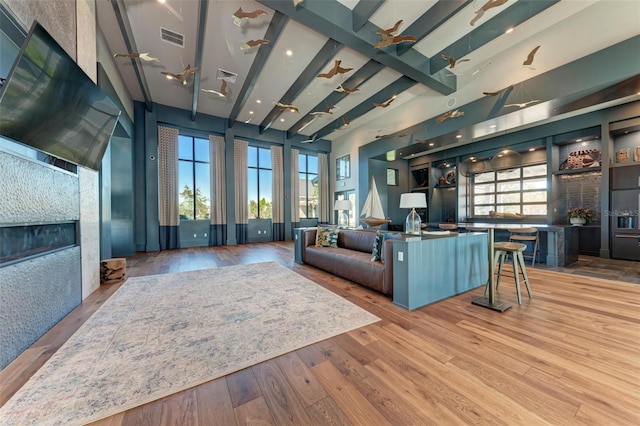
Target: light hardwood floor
x,y
570,355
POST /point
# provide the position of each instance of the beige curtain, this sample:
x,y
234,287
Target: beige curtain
x,y
218,223
242,212
323,187
277,196
295,187
168,203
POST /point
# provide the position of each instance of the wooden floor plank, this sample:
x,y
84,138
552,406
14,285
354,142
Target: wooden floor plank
x,y
284,405
214,403
254,413
243,387
180,409
303,382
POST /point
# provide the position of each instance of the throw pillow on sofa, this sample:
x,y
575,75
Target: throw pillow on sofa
x,y
377,253
327,237
378,244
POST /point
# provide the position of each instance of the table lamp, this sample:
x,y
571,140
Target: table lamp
x,y
413,201
342,206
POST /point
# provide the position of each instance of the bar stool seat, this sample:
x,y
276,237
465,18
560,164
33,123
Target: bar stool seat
x,y
476,229
448,226
502,249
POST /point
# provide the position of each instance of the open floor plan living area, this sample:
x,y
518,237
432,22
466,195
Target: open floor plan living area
x,y
319,212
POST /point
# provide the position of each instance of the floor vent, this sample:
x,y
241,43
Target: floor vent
x,y
172,37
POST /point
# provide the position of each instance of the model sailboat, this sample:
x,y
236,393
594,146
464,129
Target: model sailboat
x,y
372,210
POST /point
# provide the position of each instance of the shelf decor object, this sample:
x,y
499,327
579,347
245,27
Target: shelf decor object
x,y
578,216
342,207
413,201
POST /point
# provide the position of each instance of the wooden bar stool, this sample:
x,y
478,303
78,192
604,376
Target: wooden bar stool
x,y
515,250
448,226
476,229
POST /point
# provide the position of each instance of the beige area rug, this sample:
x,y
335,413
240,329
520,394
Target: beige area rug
x,y
160,334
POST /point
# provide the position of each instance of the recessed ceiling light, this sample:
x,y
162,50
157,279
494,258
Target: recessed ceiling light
x,y
250,112
510,29
578,140
472,158
431,144
458,136
258,101
532,149
161,1
493,126
282,119
289,52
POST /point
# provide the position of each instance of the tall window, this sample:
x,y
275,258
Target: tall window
x,y
521,190
308,178
259,181
194,178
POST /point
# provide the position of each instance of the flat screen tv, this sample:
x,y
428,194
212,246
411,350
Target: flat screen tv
x,y
49,103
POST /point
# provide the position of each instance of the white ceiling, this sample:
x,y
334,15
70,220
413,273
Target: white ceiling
x,y
566,31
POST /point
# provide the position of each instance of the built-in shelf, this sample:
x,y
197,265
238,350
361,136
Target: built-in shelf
x,y
420,188
574,171
451,185
633,163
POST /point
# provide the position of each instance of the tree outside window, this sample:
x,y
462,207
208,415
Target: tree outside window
x,y
259,182
194,178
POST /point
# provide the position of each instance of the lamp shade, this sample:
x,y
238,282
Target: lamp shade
x,y
342,205
413,200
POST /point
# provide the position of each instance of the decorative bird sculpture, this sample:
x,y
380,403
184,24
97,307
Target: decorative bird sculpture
x,y
144,56
222,92
386,103
530,57
488,5
390,31
345,123
344,89
523,104
389,40
327,110
310,140
240,16
493,93
337,69
452,61
253,43
290,107
449,114
182,77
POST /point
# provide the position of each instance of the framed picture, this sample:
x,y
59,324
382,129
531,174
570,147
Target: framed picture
x,y
636,154
623,155
343,167
392,177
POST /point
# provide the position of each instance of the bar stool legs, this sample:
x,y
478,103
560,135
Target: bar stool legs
x,y
518,266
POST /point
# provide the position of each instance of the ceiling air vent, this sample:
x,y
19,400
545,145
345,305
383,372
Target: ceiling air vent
x,y
172,37
226,75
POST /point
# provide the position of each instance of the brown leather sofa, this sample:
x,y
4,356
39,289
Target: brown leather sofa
x,y
352,258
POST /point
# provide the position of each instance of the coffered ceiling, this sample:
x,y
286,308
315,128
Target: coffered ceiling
x,y
587,59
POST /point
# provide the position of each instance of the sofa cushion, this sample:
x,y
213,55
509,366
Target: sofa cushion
x,y
357,240
378,247
327,237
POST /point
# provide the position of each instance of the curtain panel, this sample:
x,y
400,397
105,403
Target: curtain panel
x,y
295,189
323,187
168,202
277,196
218,224
240,173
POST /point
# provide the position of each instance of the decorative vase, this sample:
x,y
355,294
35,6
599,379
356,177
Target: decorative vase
x,y
577,221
